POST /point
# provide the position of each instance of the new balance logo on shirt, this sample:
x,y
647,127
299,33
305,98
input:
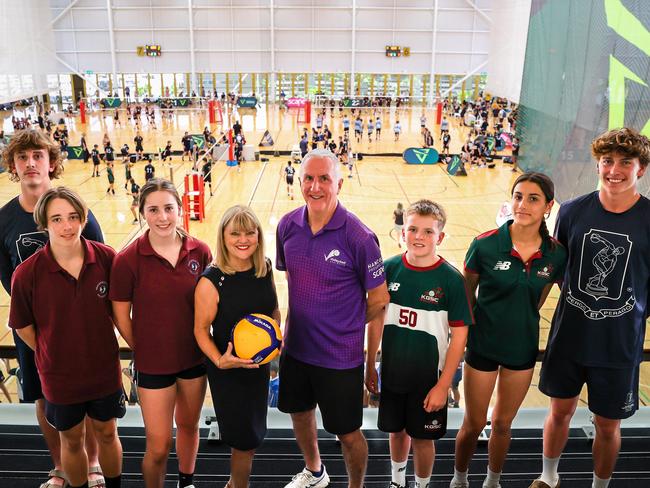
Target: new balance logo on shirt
x,y
502,265
393,286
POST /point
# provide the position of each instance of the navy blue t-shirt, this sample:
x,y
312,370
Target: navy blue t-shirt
x,y
20,238
600,319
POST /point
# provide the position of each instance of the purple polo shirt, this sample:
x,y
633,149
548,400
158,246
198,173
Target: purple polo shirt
x,y
328,274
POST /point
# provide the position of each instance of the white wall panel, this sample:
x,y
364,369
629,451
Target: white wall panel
x,y
335,40
127,40
504,78
93,61
454,42
65,40
89,19
371,40
95,41
172,40
333,18
374,19
455,19
251,18
131,19
64,22
301,40
297,50
417,41
413,19
294,18
170,18
218,40
251,40
212,18
87,3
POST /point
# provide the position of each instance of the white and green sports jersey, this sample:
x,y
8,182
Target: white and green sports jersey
x,y
424,303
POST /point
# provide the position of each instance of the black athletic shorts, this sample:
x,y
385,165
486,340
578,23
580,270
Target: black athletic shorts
x,y
405,411
482,363
65,417
289,180
612,393
337,392
30,382
160,381
240,398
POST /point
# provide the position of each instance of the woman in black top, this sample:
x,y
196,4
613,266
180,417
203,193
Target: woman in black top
x,y
239,282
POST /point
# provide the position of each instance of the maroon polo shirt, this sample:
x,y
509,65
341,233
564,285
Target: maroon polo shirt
x,y
162,298
77,354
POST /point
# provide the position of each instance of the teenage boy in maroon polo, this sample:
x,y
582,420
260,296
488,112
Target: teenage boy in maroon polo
x,y
336,284
60,309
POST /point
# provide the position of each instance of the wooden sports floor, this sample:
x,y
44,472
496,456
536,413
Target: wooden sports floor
x,y
376,186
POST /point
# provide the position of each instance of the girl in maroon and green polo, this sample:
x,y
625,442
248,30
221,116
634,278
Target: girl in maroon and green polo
x,y
514,268
152,289
72,270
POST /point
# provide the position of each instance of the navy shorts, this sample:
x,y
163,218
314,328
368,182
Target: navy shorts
x,y
65,417
240,398
405,411
337,392
30,383
160,381
613,393
481,363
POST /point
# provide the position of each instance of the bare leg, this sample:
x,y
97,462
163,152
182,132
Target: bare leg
x,y
479,386
607,444
157,411
304,427
355,454
189,400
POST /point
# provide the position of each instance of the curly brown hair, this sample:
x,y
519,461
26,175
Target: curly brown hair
x,y
626,141
31,139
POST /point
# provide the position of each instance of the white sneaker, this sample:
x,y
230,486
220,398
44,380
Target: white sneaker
x,y
305,479
458,484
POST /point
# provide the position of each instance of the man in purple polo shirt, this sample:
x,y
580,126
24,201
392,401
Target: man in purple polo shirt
x,y
336,284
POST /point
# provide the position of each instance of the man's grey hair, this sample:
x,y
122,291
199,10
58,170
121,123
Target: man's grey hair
x,y
321,153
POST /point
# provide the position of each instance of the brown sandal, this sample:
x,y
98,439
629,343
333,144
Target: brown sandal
x,y
99,482
55,473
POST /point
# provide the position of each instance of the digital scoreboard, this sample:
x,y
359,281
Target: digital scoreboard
x,y
393,51
397,51
153,50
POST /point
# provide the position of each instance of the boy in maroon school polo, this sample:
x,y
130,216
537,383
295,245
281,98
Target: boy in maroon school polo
x,y
78,338
163,319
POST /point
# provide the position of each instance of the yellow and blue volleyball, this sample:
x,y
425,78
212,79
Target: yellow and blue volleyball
x,y
257,337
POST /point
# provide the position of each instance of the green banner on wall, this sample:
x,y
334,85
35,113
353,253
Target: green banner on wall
x,y
75,152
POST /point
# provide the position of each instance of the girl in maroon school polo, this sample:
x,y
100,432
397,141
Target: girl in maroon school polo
x,y
162,298
152,289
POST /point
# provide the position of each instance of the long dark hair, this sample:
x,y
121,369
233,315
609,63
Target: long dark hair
x,y
548,189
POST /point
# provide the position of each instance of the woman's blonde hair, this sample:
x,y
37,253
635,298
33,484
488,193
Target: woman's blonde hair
x,y
243,220
64,193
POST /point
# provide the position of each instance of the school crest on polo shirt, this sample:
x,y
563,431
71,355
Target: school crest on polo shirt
x,y
604,259
193,266
30,242
102,289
